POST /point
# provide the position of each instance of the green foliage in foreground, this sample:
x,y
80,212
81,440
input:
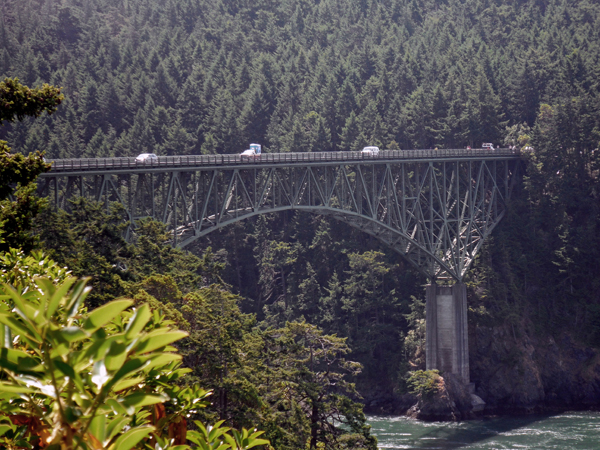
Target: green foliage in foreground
x,y
290,381
99,369
260,375
107,378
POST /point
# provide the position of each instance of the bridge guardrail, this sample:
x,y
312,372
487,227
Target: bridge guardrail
x,y
84,164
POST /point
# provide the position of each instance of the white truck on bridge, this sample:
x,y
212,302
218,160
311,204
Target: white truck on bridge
x,y
252,153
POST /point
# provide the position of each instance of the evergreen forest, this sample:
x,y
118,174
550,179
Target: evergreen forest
x,y
298,323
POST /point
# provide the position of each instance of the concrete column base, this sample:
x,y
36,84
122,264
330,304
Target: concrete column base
x,y
447,341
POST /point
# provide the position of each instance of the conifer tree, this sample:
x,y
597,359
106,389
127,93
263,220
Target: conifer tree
x,y
17,172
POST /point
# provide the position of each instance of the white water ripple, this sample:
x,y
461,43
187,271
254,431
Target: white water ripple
x,y
567,431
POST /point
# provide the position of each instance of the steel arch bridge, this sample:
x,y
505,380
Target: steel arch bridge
x,y
434,207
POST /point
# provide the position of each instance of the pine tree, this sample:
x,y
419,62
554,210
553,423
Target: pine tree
x,y
349,135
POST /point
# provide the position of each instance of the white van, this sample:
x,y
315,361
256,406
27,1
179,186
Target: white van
x,y
370,151
488,146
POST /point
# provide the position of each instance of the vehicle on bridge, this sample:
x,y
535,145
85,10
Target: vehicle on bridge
x,y
370,151
252,153
143,157
488,145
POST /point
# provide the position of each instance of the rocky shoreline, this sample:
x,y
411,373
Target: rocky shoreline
x,y
513,372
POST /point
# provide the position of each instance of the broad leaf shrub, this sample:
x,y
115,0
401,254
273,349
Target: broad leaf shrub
x,y
102,379
20,270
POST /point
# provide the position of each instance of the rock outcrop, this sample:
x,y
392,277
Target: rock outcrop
x,y
452,401
517,371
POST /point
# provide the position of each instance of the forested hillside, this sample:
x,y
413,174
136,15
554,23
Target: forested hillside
x,y
199,76
203,77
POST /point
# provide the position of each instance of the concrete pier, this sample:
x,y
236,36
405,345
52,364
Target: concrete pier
x,y
447,342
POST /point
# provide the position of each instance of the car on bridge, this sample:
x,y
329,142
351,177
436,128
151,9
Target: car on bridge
x,y
252,153
488,145
144,157
370,151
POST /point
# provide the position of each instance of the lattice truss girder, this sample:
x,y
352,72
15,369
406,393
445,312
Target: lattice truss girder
x,y
435,213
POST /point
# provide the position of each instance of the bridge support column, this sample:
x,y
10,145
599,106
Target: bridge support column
x,y
447,344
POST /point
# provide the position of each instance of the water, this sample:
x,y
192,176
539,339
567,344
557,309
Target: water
x,y
566,431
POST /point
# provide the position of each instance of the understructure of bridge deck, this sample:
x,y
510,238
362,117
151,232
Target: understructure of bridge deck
x,y
434,207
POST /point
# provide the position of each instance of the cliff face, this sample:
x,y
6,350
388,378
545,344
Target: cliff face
x,y
517,371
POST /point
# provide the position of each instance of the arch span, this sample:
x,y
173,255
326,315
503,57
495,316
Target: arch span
x,y
437,215
410,249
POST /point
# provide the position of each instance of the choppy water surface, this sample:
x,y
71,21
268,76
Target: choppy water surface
x,y
566,431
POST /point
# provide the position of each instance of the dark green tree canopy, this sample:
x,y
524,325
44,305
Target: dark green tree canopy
x,y
308,76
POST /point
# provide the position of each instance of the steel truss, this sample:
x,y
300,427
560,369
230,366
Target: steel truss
x,y
437,213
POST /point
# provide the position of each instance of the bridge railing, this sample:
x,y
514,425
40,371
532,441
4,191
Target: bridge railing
x,y
86,164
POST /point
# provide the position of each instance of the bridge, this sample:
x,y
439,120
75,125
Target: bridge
x,y
434,207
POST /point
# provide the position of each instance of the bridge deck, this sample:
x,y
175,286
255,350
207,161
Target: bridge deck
x,y
129,164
